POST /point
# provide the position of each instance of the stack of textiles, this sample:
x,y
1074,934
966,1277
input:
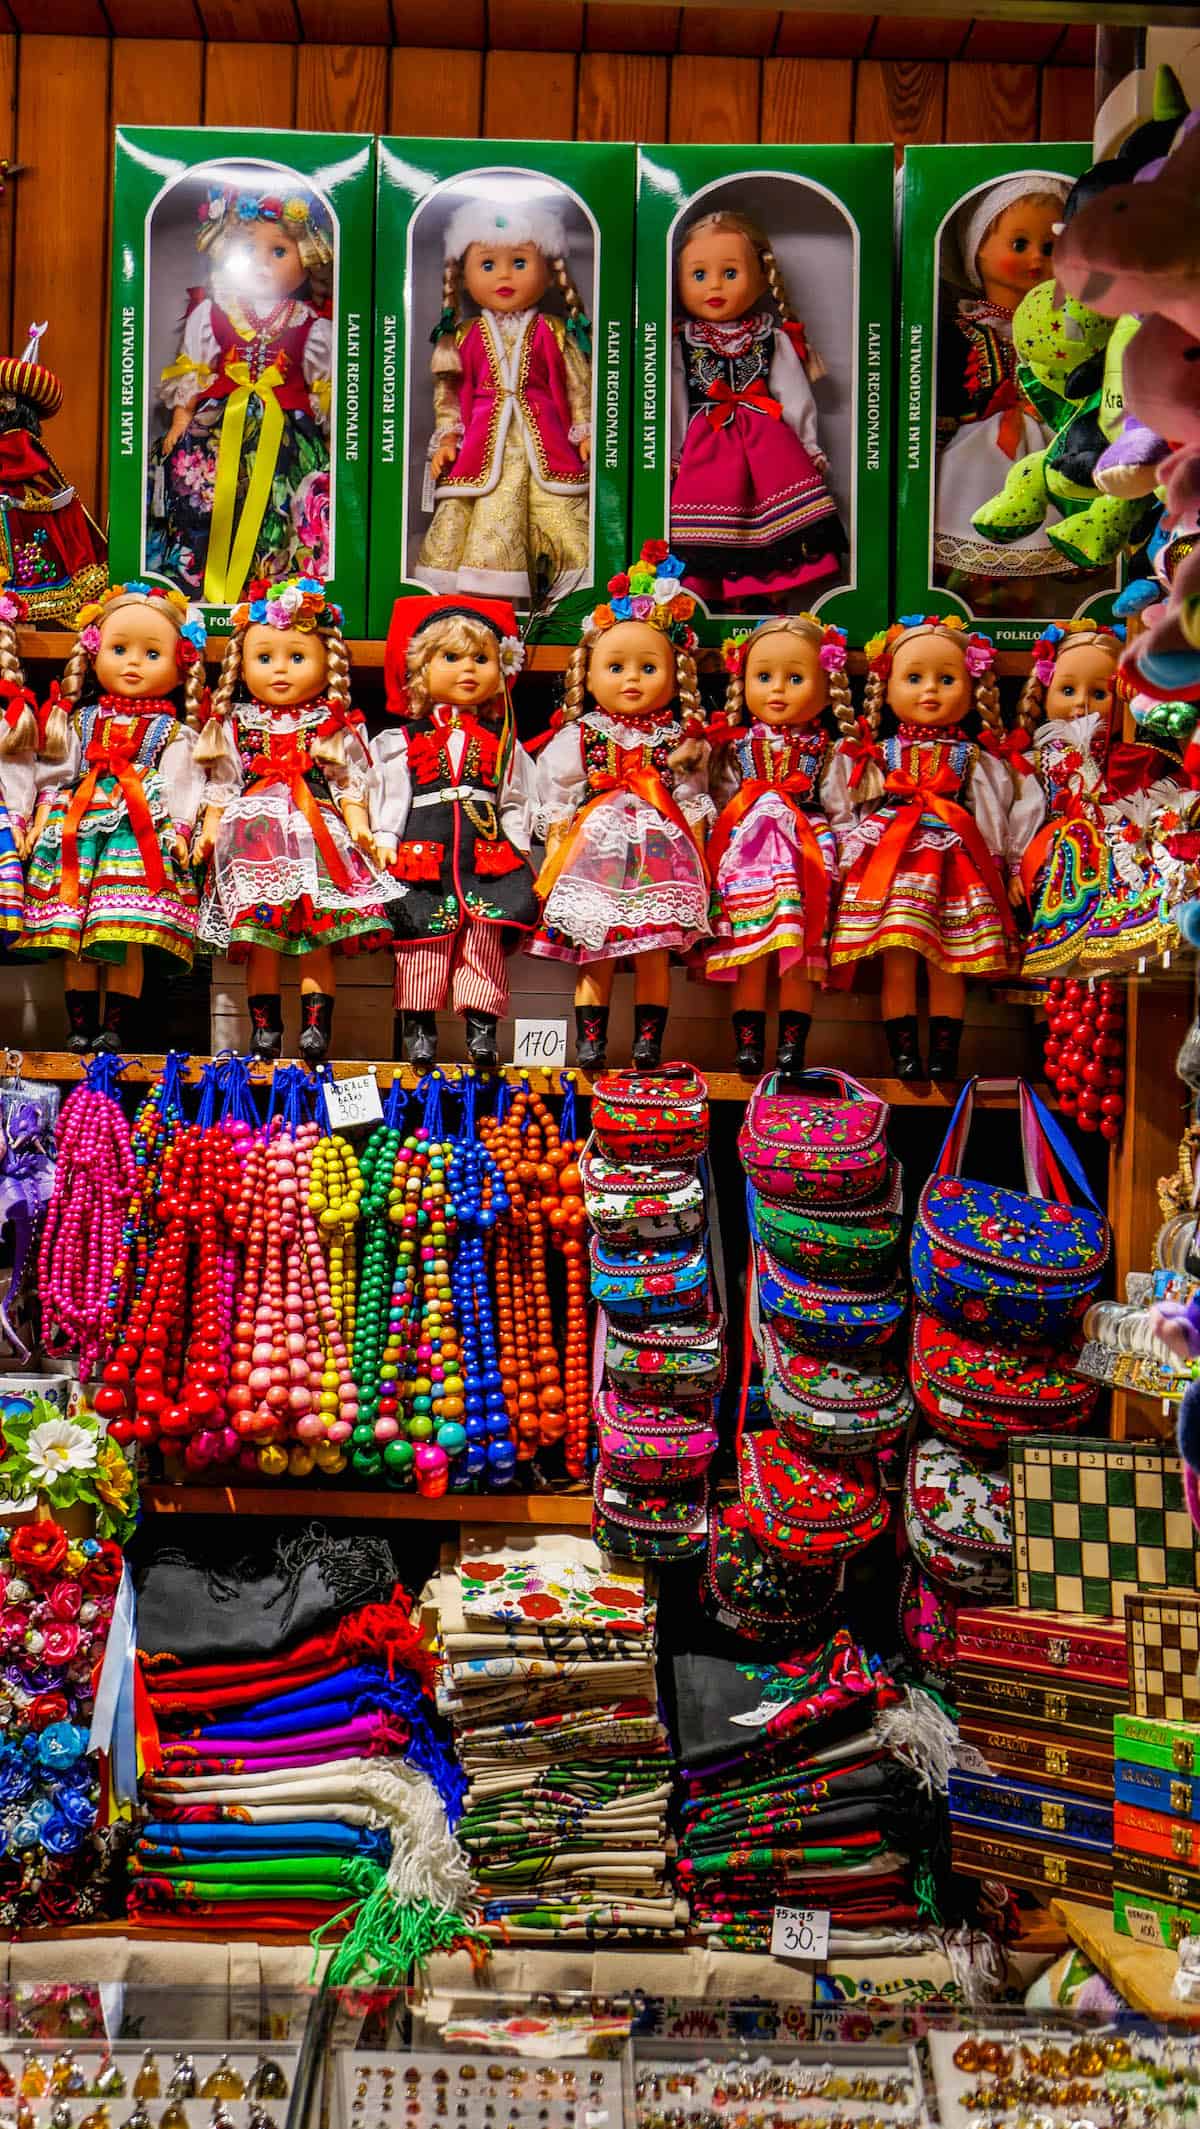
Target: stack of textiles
x,y
790,1793
303,1782
547,1652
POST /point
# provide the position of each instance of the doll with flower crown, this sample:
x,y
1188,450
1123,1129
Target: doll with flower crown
x,y
772,855
286,835
107,872
454,818
623,804
751,510
922,818
508,476
239,482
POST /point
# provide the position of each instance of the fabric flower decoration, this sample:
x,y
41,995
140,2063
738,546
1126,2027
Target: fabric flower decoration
x,y
666,589
512,656
733,652
832,655
12,607
38,1548
980,656
56,1447
89,639
655,551
65,1600
641,578
622,609
641,607
60,1643
618,586
102,1573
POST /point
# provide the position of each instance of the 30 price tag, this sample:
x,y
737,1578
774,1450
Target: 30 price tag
x,y
540,1042
800,1933
352,1101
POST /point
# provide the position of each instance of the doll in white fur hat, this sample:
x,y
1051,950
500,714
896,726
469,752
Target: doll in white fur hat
x,y
508,470
1004,238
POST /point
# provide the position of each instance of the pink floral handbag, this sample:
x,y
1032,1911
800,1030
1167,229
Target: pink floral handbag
x,y
820,1139
653,1442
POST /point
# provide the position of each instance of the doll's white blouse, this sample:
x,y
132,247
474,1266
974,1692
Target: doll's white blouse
x,y
562,778
201,351
228,777
181,784
18,788
787,382
1051,740
391,789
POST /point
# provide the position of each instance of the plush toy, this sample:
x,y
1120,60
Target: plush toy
x,y
1136,248
1062,369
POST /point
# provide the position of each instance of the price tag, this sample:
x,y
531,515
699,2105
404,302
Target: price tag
x,y
800,1933
540,1042
352,1101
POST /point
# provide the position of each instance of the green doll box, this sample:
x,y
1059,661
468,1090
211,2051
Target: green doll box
x,y
503,300
762,421
977,229
240,360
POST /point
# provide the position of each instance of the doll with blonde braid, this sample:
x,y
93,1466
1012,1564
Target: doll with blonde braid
x,y
20,729
286,836
107,868
924,829
622,805
772,855
508,478
751,510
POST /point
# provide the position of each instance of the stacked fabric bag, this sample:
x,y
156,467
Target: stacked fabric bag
x,y
547,1654
303,1781
659,1332
1001,1280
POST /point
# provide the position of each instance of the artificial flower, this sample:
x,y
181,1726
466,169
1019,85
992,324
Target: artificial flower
x,y
103,1571
641,607
38,1548
60,1643
12,607
641,578
619,585
622,609
980,656
655,551
56,1447
683,606
832,655
65,1600
666,589
89,639
512,656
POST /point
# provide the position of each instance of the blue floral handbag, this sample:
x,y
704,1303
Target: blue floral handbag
x,y
1023,1263
649,1284
830,1321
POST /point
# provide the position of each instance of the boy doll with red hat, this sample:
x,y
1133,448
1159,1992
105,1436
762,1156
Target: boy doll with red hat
x,y
453,816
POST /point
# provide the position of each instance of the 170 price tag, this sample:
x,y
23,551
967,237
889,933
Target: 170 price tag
x,y
800,1933
540,1042
352,1101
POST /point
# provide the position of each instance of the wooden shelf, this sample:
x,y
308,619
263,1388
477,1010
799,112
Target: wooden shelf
x,y
382,1505
144,1068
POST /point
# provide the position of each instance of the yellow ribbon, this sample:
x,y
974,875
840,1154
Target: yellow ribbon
x,y
230,556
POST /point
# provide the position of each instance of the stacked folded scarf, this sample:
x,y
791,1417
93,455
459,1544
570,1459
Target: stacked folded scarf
x,y
788,1794
548,1676
305,1783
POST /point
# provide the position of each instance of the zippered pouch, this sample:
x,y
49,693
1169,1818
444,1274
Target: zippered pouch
x,y
980,1395
666,1109
649,1523
651,1283
649,1443
832,1407
818,1139
630,1205
840,1246
958,1521
654,1362
809,1511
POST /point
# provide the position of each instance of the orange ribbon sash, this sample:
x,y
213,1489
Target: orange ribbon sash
x,y
725,402
931,794
644,783
814,878
116,758
289,769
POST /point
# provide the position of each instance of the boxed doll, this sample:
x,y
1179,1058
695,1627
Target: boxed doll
x,y
976,526
503,299
241,362
764,368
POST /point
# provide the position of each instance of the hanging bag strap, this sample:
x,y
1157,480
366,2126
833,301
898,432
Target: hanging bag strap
x,y
1048,1157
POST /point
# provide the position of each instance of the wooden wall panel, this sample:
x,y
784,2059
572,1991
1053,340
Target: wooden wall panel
x,y
714,103
529,96
807,100
65,18
157,81
464,25
816,36
149,18
900,100
728,31
346,21
622,28
1067,105
1026,42
915,37
250,21
342,88
13,332
60,252
421,82
535,25
991,103
622,96
249,85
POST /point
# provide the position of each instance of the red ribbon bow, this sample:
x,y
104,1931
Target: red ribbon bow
x,y
16,699
290,766
1012,747
860,751
725,402
109,755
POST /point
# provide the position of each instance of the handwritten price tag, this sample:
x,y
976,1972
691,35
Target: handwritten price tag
x,y
800,1933
540,1042
352,1101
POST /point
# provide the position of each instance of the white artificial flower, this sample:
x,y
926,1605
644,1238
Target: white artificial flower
x,y
665,589
291,597
512,656
56,1447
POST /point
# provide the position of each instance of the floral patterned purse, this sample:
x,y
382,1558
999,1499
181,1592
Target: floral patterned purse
x,y
827,1320
981,1395
810,1511
649,1283
833,1407
649,1523
1023,1265
666,1110
757,1593
842,1245
682,1362
630,1205
653,1443
819,1139
958,1521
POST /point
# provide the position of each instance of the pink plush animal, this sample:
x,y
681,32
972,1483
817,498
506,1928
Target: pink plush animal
x,y
1137,247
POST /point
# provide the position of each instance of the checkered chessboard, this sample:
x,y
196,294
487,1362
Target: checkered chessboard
x,y
1093,1520
1162,1638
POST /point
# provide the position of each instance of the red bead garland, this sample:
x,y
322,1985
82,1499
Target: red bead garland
x,y
1085,1053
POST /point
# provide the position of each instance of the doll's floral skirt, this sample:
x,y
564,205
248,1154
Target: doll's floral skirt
x,y
937,905
12,877
270,883
116,906
293,538
1069,890
633,883
759,905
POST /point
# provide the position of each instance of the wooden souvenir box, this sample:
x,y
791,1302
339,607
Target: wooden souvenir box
x,y
1051,1645
1063,1712
1084,1766
1173,1747
1138,1831
996,1804
1030,1865
1158,1789
1162,1630
1152,1892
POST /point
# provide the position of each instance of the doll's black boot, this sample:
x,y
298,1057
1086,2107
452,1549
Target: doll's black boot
x,y
316,1025
902,1038
481,1040
421,1040
266,1024
944,1037
649,1026
591,1037
83,1020
111,1036
793,1034
750,1035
